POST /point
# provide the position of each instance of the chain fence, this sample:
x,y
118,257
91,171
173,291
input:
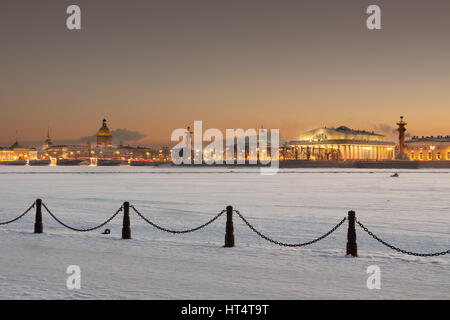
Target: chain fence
x,y
19,217
176,231
288,244
435,254
267,238
81,230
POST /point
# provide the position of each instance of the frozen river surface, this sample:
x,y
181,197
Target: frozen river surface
x,y
296,205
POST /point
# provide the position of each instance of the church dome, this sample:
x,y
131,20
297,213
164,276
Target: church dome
x,y
16,145
104,130
104,137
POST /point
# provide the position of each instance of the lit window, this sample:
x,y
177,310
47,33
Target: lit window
x,y
412,155
448,155
438,156
421,156
430,156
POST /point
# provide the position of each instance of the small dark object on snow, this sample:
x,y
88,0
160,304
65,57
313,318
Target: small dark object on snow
x,y
107,231
395,175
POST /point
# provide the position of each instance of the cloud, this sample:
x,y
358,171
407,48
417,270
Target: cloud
x,y
395,131
125,135
382,128
385,128
118,135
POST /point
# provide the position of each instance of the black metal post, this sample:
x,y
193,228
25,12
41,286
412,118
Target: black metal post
x,y
352,247
126,230
38,227
229,230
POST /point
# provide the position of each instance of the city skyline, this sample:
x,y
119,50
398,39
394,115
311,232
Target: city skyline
x,y
152,67
129,137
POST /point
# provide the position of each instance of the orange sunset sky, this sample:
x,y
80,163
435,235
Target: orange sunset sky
x,y
154,66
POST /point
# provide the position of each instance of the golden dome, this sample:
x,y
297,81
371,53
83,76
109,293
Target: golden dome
x,y
104,130
104,137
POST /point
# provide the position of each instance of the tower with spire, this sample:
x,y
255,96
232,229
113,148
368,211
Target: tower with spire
x,y
48,142
16,145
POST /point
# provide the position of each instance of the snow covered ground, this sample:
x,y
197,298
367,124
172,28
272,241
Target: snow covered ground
x,y
296,205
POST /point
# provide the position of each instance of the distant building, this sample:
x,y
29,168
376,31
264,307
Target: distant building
x,y
342,143
17,152
428,148
104,137
48,142
64,152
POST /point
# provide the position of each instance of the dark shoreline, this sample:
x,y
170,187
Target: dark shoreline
x,y
395,164
292,164
287,164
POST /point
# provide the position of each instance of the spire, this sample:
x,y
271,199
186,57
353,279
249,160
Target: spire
x,y
16,144
48,142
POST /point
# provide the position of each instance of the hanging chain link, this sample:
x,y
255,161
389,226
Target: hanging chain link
x,y
401,250
176,231
82,230
289,244
23,214
243,219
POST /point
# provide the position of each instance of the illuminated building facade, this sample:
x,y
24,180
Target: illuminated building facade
x,y
119,153
428,148
104,137
17,152
64,152
342,144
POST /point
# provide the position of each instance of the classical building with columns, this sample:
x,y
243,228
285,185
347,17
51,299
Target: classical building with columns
x,y
342,143
428,148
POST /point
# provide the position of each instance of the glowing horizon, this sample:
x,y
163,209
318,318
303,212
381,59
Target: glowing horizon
x,y
152,67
